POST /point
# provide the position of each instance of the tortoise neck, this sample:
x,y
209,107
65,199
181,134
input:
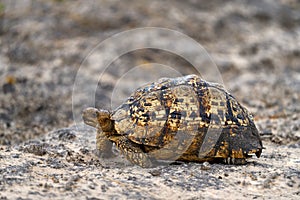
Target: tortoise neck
x,y
107,125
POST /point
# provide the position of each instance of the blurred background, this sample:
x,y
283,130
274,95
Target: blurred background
x,y
254,43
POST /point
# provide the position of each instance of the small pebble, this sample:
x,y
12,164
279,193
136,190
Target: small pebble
x,y
206,166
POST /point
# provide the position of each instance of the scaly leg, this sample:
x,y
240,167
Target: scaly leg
x,y
132,151
103,145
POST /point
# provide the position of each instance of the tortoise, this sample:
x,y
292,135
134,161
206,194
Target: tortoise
x,y
177,119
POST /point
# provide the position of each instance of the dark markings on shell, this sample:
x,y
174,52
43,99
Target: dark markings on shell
x,y
204,106
229,114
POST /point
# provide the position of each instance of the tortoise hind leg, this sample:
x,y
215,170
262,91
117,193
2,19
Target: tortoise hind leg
x,y
235,161
132,151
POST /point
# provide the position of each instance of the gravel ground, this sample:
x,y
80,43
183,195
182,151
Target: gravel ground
x,y
49,69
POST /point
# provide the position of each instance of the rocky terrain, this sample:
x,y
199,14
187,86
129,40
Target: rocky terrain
x,y
58,57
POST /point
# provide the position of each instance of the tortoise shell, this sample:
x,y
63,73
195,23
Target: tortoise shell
x,y
185,118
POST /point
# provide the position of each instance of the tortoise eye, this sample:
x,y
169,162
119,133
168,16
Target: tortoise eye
x,y
95,115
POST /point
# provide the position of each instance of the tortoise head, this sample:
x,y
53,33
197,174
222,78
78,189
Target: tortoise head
x,y
98,118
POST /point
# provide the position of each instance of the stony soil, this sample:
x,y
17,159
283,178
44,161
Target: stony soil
x,y
47,153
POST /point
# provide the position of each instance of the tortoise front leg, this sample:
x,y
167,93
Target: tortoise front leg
x,y
132,151
103,145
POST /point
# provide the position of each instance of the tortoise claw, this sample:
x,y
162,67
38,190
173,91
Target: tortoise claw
x,y
258,153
